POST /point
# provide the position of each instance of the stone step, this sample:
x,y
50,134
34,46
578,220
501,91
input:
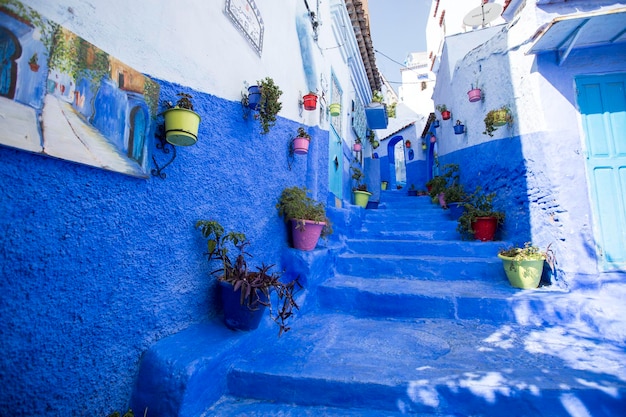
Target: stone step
x,y
438,366
408,225
239,407
402,245
439,268
491,302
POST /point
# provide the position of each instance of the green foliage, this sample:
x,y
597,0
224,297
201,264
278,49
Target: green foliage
x,y
230,249
478,204
295,203
527,253
496,118
455,194
269,106
391,110
129,413
358,176
377,97
439,183
303,133
441,108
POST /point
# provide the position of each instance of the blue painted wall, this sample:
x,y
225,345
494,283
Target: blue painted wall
x,y
96,266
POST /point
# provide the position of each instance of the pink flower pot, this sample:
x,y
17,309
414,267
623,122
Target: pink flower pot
x,y
474,95
305,233
301,146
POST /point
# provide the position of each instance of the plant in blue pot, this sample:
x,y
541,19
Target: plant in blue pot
x,y
245,291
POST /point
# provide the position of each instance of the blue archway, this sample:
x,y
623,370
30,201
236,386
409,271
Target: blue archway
x,y
390,169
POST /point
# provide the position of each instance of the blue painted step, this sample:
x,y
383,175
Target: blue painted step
x,y
430,366
407,245
491,302
439,268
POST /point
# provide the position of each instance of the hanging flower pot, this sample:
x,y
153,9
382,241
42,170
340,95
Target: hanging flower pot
x,y
474,95
181,122
254,97
445,115
433,139
335,109
310,101
459,128
424,146
301,145
357,147
436,123
407,143
301,142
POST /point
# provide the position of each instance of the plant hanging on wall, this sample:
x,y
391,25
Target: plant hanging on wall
x,y
496,118
264,98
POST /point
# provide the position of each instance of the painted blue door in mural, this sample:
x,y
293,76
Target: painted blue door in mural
x,y
10,50
602,102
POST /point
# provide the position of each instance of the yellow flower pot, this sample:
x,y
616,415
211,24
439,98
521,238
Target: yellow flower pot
x,y
335,109
181,126
361,198
522,274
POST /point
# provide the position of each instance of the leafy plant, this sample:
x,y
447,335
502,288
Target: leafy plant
x,y
256,286
441,108
269,105
455,194
478,204
530,252
34,60
303,134
377,97
184,102
496,118
358,176
391,110
295,203
439,183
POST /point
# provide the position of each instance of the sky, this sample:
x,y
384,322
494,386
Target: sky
x,y
397,27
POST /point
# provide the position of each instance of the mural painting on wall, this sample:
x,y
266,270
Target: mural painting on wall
x,y
63,97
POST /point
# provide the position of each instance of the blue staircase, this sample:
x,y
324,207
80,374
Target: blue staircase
x,y
411,321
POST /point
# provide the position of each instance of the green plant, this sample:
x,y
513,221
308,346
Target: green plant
x,y
358,176
455,194
295,203
439,183
269,105
129,413
478,204
303,134
34,60
530,252
256,286
441,108
496,118
184,102
377,97
391,110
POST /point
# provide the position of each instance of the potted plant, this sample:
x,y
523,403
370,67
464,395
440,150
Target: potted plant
x,y
358,146
309,101
383,185
459,128
306,217
496,118
371,137
264,98
445,113
245,292
301,142
437,185
480,220
524,265
181,122
33,62
455,197
474,94
360,193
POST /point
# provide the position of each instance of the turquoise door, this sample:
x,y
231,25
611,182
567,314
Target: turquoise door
x,y
602,102
335,164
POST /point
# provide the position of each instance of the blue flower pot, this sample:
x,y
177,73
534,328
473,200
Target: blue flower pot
x,y
455,210
254,97
459,129
236,315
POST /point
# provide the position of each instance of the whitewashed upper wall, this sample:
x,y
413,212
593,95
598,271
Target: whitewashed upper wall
x,y
194,43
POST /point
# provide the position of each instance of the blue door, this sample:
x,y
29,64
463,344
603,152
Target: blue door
x,y
602,102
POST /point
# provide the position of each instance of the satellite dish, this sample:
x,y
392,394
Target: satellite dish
x,y
483,14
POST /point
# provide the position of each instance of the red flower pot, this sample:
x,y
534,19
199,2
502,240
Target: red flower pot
x,y
310,101
445,115
485,228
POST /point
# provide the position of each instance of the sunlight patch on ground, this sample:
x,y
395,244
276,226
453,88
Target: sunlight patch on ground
x,y
486,385
578,353
423,392
574,406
